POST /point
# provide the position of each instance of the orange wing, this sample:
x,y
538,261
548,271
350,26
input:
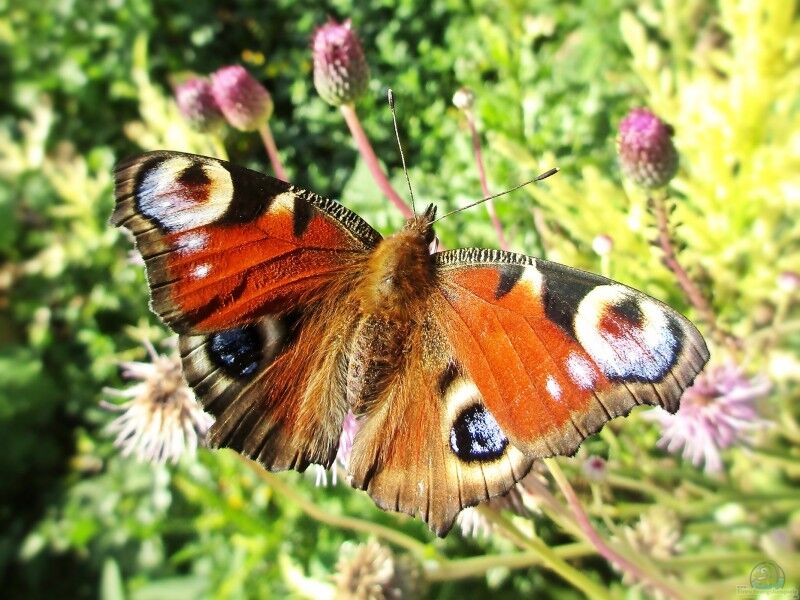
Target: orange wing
x,y
224,245
556,352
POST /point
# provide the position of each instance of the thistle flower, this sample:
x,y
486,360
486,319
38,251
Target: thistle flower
x,y
161,420
371,572
245,103
197,104
341,73
349,429
717,412
647,155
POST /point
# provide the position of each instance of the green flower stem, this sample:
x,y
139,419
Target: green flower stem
x,y
368,154
219,148
477,566
547,555
272,151
476,149
710,560
415,547
603,548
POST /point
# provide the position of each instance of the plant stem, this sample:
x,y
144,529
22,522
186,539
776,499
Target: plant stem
x,y
548,556
476,148
272,151
368,154
219,147
477,566
606,551
415,547
689,288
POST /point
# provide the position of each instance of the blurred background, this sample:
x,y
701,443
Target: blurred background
x,y
693,200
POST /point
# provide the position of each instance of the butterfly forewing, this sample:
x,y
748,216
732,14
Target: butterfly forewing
x,y
560,351
255,274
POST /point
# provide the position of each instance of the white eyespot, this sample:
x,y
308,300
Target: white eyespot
x,y
192,242
643,351
553,388
200,271
581,371
177,206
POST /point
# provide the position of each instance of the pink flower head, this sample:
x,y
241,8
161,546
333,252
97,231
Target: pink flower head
x,y
647,155
717,412
245,103
197,104
349,430
341,73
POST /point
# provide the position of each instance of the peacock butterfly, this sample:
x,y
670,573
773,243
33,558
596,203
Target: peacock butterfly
x,y
462,366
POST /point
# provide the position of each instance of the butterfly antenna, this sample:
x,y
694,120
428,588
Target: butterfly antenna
x,y
400,147
544,175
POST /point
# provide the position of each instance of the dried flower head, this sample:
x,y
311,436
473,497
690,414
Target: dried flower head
x,y
197,104
657,534
161,420
245,103
647,155
464,98
717,412
341,73
371,572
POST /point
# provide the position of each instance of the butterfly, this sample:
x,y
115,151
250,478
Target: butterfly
x,y
462,367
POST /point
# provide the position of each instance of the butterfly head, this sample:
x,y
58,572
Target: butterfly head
x,y
423,224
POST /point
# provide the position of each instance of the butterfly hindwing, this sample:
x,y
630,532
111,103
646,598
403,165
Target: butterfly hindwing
x,y
224,245
429,446
556,352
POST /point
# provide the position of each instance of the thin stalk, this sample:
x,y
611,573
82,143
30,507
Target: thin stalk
x,y
272,151
548,556
219,148
604,549
415,547
368,154
693,293
476,149
477,566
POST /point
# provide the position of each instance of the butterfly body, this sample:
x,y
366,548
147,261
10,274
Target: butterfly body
x,y
462,367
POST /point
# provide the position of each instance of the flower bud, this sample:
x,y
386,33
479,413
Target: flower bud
x,y
602,245
464,98
245,103
341,73
647,155
197,104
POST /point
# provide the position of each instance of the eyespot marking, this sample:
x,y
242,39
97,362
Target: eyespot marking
x,y
200,271
238,351
476,436
553,388
581,371
630,337
192,242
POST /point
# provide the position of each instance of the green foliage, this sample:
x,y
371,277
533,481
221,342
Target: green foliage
x,y
89,83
